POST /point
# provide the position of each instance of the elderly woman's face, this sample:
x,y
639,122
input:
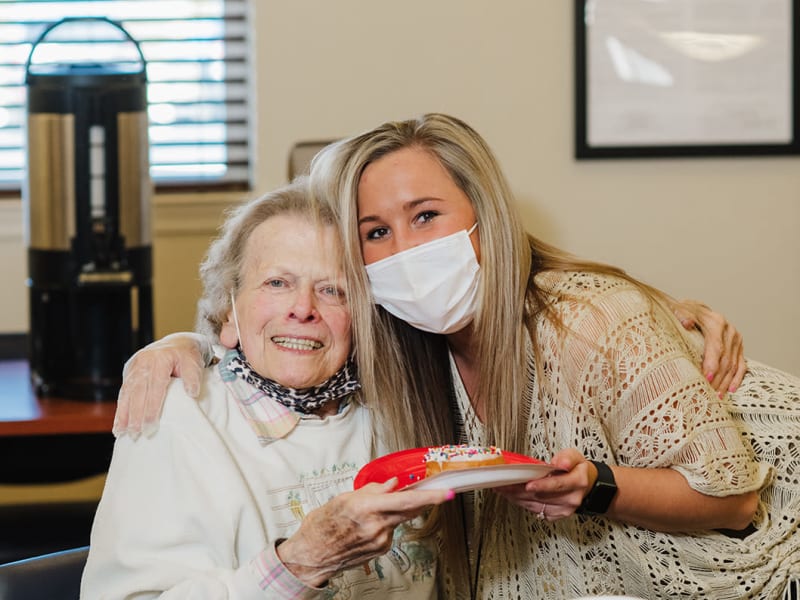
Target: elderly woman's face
x,y
294,322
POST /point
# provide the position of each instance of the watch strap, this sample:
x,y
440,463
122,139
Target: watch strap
x,y
602,493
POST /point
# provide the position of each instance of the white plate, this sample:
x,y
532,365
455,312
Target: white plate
x,y
463,480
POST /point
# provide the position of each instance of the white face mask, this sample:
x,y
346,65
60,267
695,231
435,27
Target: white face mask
x,y
433,287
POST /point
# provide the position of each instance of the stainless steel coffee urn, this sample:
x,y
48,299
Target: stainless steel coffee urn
x,y
87,210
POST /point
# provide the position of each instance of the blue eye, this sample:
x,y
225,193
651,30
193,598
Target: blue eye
x,y
331,294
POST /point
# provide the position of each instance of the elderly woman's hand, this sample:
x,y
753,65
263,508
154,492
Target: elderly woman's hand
x,y
723,354
147,374
351,529
560,493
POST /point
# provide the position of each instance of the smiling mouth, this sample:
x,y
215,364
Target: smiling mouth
x,y
297,343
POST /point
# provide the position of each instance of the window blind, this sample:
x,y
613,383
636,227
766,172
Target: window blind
x,y
196,57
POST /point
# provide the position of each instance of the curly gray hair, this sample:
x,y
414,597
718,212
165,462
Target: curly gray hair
x,y
221,269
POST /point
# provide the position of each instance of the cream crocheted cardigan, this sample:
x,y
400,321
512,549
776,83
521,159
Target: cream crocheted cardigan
x,y
624,387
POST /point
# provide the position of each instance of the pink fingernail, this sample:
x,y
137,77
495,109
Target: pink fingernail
x,y
709,376
450,495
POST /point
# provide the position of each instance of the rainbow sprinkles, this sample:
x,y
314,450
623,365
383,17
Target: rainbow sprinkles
x,y
460,456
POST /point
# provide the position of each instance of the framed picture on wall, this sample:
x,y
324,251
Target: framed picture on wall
x,y
656,78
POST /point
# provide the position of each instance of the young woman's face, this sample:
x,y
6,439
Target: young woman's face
x,y
293,318
408,198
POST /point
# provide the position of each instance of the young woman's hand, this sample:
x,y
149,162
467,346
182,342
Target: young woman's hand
x,y
148,373
558,494
646,497
723,356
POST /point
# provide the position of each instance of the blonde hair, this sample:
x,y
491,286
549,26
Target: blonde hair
x,y
406,370
509,300
221,268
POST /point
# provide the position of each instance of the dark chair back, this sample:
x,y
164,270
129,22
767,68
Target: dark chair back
x,y
35,529
55,576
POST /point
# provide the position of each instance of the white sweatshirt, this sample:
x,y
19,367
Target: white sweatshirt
x,y
195,510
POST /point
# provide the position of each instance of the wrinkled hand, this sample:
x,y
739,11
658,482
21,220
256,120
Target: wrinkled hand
x,y
146,376
351,529
558,494
723,356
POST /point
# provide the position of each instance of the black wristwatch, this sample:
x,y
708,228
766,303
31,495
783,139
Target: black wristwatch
x,y
602,493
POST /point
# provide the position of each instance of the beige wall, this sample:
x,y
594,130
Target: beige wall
x,y
725,231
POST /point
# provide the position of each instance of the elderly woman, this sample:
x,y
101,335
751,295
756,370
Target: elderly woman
x,y
246,492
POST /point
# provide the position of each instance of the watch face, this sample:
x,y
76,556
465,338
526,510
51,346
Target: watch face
x,y
603,495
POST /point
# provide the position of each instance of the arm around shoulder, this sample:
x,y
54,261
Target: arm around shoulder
x,y
147,374
682,465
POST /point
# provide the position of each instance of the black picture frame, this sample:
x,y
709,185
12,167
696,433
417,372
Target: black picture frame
x,y
646,121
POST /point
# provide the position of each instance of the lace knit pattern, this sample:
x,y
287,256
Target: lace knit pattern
x,y
624,387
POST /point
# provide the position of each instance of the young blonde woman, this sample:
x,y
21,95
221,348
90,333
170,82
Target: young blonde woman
x,y
562,359
558,357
